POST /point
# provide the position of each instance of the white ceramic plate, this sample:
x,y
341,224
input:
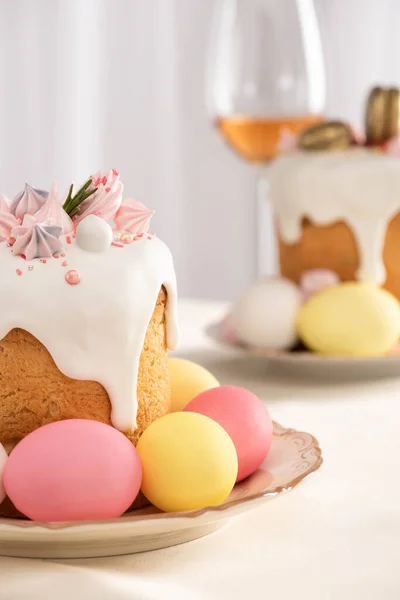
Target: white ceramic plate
x,y
293,457
310,365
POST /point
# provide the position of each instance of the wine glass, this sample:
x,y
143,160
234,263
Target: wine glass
x,y
265,83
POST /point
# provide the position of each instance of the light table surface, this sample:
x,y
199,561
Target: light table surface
x,y
336,537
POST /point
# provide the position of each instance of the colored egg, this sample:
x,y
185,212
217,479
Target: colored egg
x,y
244,417
265,315
351,319
189,462
3,458
72,471
188,379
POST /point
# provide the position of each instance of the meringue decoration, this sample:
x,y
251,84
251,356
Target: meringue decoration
x,y
133,216
392,147
107,198
7,220
53,213
314,281
28,201
94,234
36,240
288,141
4,203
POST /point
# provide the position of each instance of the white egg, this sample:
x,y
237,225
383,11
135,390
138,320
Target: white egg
x,y
265,315
94,234
3,458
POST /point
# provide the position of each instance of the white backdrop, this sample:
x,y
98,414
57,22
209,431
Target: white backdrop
x,y
88,84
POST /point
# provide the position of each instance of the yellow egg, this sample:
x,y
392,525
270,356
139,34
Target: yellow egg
x,y
188,380
351,319
189,462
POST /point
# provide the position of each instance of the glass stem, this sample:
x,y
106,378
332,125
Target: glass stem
x,y
266,252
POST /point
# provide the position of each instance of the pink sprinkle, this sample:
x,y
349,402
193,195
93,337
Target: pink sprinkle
x,y
63,254
56,256
115,172
97,182
104,180
68,239
44,261
108,189
149,237
64,263
18,271
117,244
72,277
140,235
11,241
23,256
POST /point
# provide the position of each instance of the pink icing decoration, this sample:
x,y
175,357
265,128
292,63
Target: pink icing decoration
x,y
133,216
4,203
72,277
73,470
53,213
315,280
105,202
287,141
227,330
7,223
28,202
392,147
36,240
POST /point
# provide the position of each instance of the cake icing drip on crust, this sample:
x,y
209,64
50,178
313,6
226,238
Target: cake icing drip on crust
x,y
359,186
94,330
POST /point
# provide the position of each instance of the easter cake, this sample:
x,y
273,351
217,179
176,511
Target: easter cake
x,y
335,194
88,310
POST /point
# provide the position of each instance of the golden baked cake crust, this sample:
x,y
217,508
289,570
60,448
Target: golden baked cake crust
x,y
33,391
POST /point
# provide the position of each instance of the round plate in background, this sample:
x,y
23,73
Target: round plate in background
x,y
311,365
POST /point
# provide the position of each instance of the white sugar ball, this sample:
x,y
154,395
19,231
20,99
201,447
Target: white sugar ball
x,y
94,234
265,315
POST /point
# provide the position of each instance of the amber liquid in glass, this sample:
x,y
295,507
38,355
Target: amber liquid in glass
x,y
255,138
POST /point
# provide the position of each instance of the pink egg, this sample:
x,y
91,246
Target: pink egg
x,y
72,471
244,417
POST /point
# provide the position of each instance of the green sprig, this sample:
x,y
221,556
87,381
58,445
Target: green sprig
x,y
73,202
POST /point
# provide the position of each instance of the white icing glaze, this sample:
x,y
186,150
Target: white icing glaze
x,y
94,330
358,186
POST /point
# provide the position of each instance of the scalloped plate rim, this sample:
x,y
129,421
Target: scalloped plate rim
x,y
9,524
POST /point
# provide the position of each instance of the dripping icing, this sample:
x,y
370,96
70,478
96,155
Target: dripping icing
x,y
359,187
95,330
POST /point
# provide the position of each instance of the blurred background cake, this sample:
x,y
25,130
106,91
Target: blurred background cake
x,y
336,197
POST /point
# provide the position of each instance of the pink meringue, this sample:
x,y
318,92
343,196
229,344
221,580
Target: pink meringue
x,y
106,200
287,142
36,240
133,216
53,213
316,280
392,147
4,203
7,220
28,201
